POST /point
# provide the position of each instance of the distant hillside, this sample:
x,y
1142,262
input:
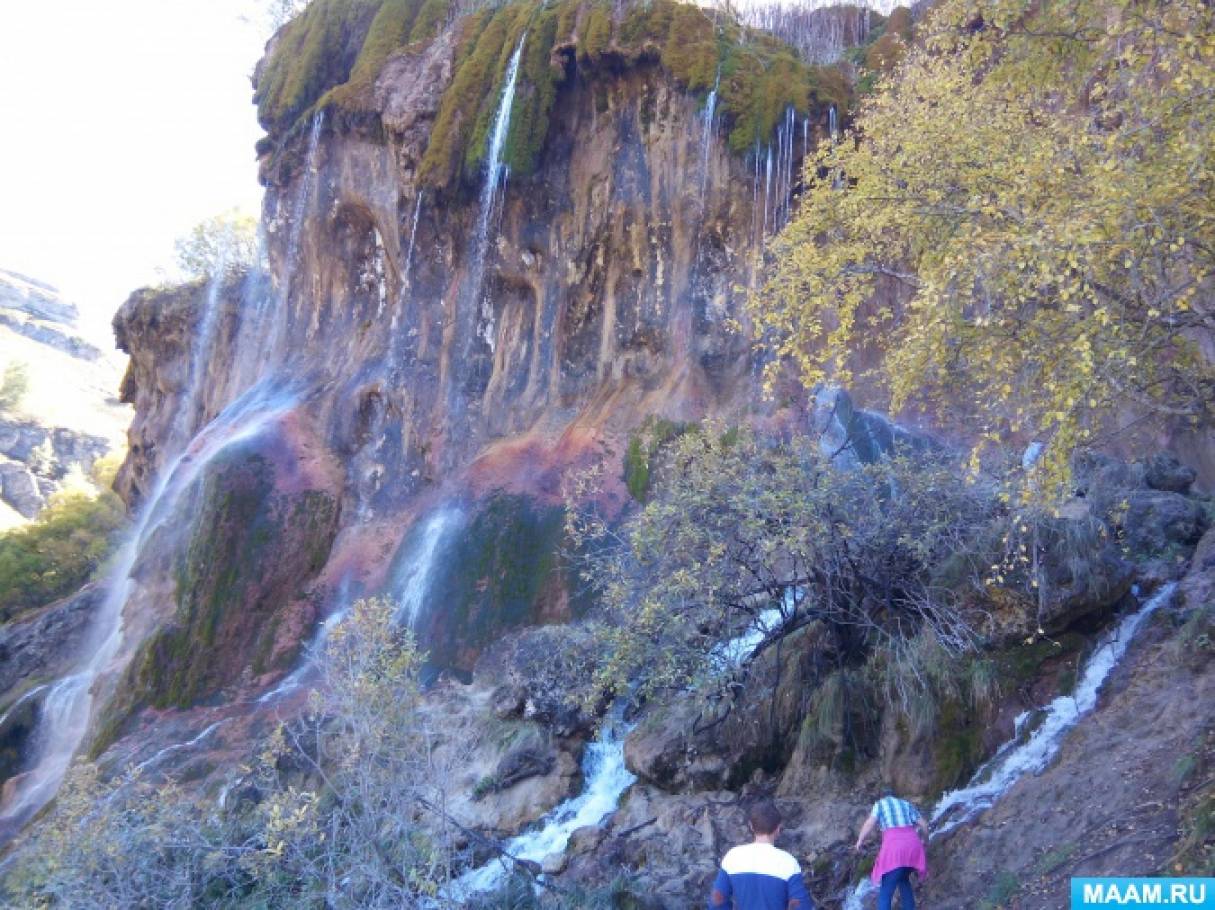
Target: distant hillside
x,y
66,412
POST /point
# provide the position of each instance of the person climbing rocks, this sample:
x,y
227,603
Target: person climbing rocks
x,y
902,851
759,875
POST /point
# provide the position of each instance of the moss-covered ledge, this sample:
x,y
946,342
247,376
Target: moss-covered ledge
x,y
329,57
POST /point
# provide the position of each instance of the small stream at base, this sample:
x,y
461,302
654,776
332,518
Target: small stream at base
x,y
606,778
1020,756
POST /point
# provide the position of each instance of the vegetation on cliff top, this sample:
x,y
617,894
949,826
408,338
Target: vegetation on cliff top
x,y
1035,184
331,55
54,555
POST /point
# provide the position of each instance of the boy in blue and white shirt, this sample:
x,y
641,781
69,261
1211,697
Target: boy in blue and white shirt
x,y
759,875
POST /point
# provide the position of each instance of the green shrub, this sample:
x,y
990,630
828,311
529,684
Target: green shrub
x,y
13,387
58,552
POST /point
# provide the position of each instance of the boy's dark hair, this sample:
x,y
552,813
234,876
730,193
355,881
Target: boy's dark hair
x,y
764,817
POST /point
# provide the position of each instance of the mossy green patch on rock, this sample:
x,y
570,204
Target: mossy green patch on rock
x,y
332,53
499,575
313,53
643,448
251,550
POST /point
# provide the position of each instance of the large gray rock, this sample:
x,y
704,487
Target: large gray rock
x,y
42,647
19,488
851,435
1164,472
1156,520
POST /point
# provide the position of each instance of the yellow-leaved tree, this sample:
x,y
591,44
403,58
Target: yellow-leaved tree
x,y
1037,181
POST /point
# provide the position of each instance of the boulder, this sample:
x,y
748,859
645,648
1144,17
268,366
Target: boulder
x,y
1164,472
1156,520
524,762
1198,586
19,488
685,746
44,646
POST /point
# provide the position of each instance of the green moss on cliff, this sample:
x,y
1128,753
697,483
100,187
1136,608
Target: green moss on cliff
x,y
251,550
313,53
332,53
643,448
497,577
391,28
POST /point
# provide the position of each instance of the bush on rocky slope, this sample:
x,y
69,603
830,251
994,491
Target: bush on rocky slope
x,y
330,811
54,555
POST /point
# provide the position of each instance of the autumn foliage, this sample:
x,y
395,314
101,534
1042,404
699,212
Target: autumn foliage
x,y
1036,182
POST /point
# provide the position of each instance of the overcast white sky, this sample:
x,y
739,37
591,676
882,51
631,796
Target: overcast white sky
x,y
122,124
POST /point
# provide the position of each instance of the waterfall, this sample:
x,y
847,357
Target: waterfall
x,y
756,236
1013,761
767,192
190,408
156,759
297,676
412,580
299,215
413,236
833,126
606,778
68,708
706,133
495,175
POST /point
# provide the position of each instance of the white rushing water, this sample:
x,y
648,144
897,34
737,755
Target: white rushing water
x,y
412,581
1016,759
855,899
605,780
32,693
200,353
164,753
302,205
604,774
406,280
707,116
68,707
409,586
833,126
495,178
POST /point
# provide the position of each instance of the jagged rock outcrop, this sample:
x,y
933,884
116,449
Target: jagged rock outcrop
x,y
65,419
443,369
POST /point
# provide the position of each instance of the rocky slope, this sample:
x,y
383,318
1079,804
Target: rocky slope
x,y
67,417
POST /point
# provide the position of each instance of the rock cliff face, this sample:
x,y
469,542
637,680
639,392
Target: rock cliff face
x,y
438,367
66,417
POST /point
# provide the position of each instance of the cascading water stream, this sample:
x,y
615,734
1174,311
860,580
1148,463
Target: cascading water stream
x,y
200,355
707,116
833,127
495,179
605,777
407,273
299,215
604,772
767,192
409,586
1017,758
1013,761
412,582
68,707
